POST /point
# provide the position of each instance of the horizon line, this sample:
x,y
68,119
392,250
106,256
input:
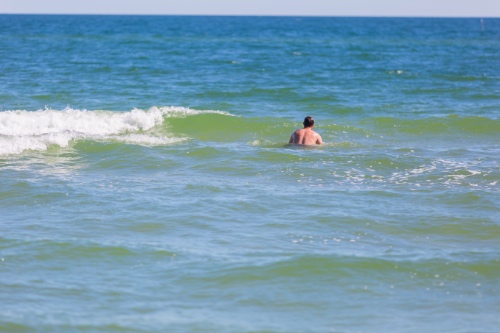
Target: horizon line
x,y
258,15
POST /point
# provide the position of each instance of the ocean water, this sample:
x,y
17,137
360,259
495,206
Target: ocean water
x,y
146,184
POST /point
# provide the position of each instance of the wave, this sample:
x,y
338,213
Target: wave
x,y
46,250
437,125
327,267
22,130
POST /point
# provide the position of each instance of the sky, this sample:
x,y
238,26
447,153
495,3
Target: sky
x,y
414,8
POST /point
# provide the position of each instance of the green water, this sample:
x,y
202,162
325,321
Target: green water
x,y
147,184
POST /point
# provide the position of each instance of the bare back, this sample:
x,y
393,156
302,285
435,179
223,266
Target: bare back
x,y
305,136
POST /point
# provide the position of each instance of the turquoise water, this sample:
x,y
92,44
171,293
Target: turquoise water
x,y
146,184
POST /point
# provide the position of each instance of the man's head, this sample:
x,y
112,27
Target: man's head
x,y
308,121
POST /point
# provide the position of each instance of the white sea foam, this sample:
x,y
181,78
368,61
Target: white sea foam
x,y
175,111
147,140
22,130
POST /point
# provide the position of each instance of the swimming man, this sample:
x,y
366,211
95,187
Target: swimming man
x,y
306,135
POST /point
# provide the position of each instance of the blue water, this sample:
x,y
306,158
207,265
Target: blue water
x,y
146,184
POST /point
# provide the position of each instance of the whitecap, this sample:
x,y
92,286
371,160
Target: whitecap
x,y
22,130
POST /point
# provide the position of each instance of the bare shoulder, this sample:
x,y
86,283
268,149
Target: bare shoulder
x,y
319,139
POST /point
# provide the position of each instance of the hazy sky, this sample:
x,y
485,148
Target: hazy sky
x,y
457,8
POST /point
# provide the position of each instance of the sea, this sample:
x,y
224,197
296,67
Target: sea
x,y
147,183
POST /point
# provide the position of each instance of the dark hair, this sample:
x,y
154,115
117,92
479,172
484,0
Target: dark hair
x,y
308,121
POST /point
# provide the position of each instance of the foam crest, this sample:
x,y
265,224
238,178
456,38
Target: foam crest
x,y
19,123
176,112
147,140
22,130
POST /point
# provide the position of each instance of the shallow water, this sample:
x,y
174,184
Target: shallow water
x,y
146,183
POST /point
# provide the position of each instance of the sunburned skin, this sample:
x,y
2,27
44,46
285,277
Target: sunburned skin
x,y
306,135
